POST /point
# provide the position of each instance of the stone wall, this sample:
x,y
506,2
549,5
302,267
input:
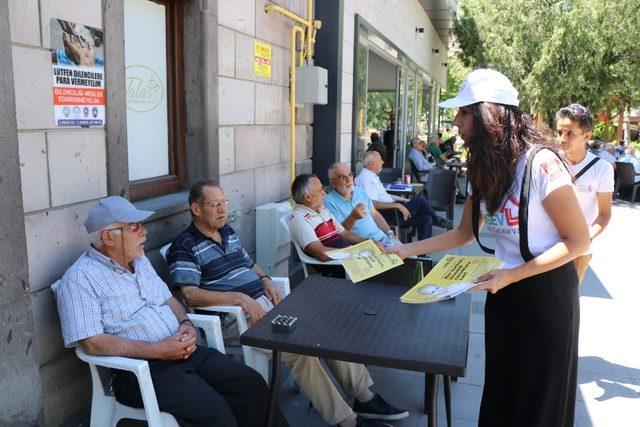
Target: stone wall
x,y
254,111
237,132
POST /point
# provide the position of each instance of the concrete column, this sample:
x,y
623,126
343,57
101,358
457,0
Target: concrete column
x,y
116,98
201,89
21,399
327,118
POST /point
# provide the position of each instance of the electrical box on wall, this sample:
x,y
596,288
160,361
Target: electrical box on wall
x,y
311,85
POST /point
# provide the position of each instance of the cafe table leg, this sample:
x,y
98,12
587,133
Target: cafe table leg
x,y
273,388
431,398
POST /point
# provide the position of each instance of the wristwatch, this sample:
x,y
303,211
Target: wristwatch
x,y
186,320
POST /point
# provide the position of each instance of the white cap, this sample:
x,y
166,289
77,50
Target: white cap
x,y
484,85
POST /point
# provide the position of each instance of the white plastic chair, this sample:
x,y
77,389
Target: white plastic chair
x,y
256,358
106,411
304,258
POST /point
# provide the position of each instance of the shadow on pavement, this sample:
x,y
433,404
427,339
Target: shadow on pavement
x,y
610,377
592,286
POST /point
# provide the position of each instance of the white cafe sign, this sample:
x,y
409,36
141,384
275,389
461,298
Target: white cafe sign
x,y
144,88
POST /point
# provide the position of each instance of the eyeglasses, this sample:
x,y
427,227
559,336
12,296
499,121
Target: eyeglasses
x,y
345,177
134,228
217,203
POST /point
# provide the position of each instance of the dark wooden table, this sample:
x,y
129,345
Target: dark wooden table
x,y
332,324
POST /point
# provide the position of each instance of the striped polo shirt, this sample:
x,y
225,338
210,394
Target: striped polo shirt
x,y
198,260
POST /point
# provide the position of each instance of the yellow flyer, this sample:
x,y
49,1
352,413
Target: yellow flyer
x,y
364,260
452,275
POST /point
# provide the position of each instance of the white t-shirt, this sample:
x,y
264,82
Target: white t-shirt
x,y
598,179
370,182
307,226
547,174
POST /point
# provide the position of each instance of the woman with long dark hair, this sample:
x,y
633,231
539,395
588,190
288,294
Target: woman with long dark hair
x,y
522,192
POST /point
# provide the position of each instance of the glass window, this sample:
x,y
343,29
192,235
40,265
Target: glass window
x,y
360,132
155,96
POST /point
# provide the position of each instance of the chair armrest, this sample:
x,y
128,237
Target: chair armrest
x,y
114,362
283,285
236,310
212,329
141,370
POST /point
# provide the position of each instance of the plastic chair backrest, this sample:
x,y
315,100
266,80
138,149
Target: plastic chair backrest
x,y
441,186
389,175
414,171
626,173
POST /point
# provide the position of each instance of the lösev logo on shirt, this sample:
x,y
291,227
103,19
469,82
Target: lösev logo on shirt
x,y
505,220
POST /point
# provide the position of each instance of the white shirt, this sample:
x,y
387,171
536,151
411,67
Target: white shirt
x,y
370,182
307,226
547,175
627,158
598,179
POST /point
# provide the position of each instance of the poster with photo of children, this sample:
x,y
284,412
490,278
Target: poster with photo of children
x,y
77,56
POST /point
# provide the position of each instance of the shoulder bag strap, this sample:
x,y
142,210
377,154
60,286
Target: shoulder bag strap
x,y
475,220
584,169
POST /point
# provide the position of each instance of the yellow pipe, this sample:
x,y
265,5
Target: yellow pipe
x,y
288,14
309,30
308,36
292,103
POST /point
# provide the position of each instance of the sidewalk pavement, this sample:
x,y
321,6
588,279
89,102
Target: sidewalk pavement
x,y
609,370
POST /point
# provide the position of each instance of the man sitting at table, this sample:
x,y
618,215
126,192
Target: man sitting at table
x,y
312,226
353,208
415,212
210,266
417,155
112,303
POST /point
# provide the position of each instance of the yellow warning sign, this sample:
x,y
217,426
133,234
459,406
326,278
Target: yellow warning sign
x,y
261,59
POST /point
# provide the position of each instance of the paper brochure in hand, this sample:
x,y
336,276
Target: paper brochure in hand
x,y
364,260
451,276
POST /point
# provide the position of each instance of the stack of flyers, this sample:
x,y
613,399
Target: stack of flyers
x,y
453,275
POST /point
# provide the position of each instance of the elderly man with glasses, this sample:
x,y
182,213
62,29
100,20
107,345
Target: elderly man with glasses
x,y
210,266
112,302
354,209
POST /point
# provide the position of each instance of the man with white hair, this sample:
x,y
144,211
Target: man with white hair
x,y
629,156
417,157
112,303
415,212
353,207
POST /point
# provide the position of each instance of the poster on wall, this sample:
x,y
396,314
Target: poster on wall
x,y
261,59
77,56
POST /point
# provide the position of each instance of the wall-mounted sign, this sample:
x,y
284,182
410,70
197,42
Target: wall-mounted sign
x,y
77,55
145,90
261,59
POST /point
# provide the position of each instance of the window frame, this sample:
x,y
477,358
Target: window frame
x,y
175,180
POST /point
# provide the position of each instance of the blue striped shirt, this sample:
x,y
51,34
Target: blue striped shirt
x,y
197,260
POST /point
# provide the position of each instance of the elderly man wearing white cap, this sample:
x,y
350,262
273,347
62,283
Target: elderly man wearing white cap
x,y
112,302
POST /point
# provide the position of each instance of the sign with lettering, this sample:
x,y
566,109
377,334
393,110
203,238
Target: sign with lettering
x,y
144,89
261,59
77,55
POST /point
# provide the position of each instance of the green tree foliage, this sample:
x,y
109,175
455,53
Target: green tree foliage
x,y
557,51
380,107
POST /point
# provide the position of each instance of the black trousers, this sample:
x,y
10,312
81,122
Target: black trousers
x,y
531,340
207,389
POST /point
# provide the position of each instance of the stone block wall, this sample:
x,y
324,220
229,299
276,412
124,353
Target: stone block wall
x,y
237,132
254,110
62,172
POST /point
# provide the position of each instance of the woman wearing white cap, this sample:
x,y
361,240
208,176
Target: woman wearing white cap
x,y
523,193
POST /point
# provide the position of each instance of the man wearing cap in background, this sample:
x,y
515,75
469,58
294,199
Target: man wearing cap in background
x,y
112,302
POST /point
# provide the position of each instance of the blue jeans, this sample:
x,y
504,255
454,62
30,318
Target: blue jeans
x,y
422,216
